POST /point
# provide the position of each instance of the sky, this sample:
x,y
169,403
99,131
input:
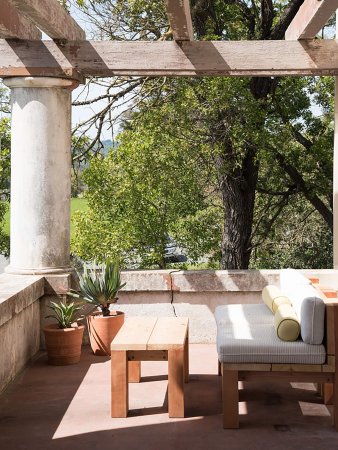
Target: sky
x,y
81,113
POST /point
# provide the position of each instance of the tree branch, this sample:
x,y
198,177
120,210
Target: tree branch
x,y
268,14
297,178
278,209
290,11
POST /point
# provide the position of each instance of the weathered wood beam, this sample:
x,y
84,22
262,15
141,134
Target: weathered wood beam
x,y
195,58
311,18
14,25
178,12
51,18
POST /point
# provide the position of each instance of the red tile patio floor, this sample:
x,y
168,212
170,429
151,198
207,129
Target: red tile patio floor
x,y
69,408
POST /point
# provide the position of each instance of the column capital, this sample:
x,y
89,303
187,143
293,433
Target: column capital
x,y
40,82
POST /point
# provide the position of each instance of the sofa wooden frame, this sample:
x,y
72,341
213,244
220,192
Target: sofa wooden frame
x,y
326,375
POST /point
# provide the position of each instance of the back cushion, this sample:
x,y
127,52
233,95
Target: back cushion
x,y
273,297
286,323
312,316
310,310
289,278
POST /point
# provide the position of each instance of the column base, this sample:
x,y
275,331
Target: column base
x,y
38,271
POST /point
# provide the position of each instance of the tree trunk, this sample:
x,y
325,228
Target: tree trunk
x,y
238,187
238,195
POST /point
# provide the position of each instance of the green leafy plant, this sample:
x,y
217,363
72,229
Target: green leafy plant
x,y
64,313
99,285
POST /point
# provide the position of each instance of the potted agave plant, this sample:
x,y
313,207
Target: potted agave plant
x,y
99,285
63,338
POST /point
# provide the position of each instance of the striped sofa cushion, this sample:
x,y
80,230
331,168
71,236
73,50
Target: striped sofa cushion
x,y
251,341
244,314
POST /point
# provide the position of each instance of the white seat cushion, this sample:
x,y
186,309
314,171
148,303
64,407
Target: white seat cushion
x,y
252,341
243,314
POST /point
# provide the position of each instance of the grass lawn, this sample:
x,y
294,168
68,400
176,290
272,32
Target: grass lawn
x,y
77,204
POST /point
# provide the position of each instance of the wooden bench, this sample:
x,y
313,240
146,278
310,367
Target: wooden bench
x,y
150,339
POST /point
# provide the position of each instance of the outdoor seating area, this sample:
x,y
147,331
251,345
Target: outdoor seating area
x,y
227,356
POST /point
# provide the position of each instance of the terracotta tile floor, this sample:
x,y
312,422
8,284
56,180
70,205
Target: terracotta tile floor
x,y
69,408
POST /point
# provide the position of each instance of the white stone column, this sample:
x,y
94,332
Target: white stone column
x,y
40,175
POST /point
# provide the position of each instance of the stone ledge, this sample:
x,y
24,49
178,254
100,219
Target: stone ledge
x,y
17,292
180,281
198,280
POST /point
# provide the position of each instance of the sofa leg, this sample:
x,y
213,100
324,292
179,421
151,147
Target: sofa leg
x,y
335,401
230,398
328,393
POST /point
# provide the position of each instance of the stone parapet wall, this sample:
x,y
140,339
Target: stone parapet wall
x,y
211,287
19,323
23,307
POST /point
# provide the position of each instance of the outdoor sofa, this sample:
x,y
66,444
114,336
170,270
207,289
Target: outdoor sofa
x,y
250,349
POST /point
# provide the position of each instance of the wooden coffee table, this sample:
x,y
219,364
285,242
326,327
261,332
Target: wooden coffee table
x,y
150,339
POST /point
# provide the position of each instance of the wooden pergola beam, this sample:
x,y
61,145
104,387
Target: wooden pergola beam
x,y
14,25
178,12
51,18
192,58
311,18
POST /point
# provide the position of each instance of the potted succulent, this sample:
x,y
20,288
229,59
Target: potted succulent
x,y
63,338
99,285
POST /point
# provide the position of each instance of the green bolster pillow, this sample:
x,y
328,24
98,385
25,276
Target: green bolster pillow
x,y
286,323
273,298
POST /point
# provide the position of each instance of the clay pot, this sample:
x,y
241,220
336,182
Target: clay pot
x,y
102,330
63,344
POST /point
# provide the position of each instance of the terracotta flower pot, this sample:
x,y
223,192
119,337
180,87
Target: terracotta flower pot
x,y
63,344
102,330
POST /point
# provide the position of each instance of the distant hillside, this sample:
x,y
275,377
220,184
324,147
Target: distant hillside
x,y
107,145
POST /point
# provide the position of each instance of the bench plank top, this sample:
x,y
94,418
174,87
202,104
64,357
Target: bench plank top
x,y
134,334
169,333
151,333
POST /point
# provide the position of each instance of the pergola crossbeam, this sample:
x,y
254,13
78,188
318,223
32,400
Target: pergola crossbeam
x,y
178,12
311,18
194,58
51,18
14,25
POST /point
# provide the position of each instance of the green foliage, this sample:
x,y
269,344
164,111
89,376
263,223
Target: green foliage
x,y
193,141
299,239
137,195
99,285
5,168
64,313
80,156
165,176
5,154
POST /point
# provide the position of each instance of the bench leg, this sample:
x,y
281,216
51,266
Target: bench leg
x,y
134,371
119,384
230,398
176,382
328,393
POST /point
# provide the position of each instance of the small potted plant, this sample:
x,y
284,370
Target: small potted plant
x,y
99,285
63,338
